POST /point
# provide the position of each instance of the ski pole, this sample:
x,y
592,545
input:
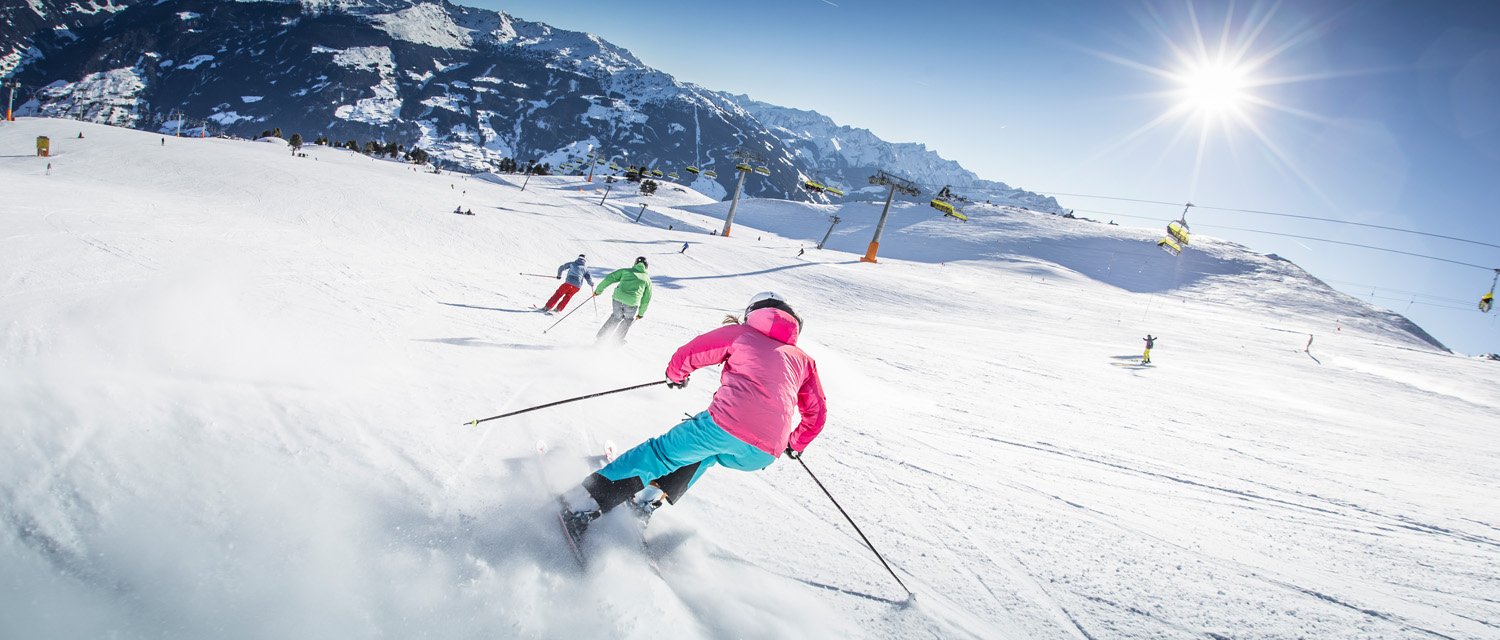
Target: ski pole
x,y
909,595
475,423
565,315
538,275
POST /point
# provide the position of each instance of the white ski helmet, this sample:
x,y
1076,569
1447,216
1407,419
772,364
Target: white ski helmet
x,y
766,299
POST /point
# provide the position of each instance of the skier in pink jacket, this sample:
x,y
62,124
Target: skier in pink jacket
x,y
769,401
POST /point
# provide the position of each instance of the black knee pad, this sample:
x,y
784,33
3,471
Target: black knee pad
x,y
610,493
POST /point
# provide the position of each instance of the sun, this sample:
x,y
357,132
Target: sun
x,y
1216,83
1215,89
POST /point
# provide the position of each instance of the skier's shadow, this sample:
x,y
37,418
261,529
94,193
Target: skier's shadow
x,y
476,342
470,306
1134,356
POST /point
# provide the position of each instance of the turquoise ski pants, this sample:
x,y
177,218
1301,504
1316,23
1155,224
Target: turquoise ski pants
x,y
695,441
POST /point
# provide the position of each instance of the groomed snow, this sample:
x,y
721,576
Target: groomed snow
x,y
234,385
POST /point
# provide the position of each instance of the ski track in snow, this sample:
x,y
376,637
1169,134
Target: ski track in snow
x,y
236,382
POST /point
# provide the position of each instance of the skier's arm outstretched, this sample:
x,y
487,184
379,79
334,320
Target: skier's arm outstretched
x,y
560,270
705,350
811,403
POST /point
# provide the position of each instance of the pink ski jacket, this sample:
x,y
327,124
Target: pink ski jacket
x,y
769,394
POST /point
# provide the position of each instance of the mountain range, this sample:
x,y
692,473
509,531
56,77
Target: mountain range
x,y
469,86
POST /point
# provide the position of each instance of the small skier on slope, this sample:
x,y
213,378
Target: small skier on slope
x,y
630,300
578,273
769,401
1150,342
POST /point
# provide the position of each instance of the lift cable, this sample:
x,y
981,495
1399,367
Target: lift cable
x,y
1301,237
1278,214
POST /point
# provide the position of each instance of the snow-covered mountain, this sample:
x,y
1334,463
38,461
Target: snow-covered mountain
x,y
234,386
468,85
839,154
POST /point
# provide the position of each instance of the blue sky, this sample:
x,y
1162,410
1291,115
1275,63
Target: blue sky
x,y
1381,112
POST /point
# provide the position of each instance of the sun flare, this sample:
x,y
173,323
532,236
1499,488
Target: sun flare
x,y
1214,89
1220,85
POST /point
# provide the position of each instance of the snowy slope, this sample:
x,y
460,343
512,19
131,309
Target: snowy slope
x,y
234,385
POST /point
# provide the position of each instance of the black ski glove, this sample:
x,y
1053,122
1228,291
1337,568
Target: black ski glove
x,y
793,453
676,385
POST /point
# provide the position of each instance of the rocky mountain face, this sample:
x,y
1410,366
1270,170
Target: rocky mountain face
x,y
23,22
470,86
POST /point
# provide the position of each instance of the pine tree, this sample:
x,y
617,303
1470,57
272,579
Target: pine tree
x,y
296,142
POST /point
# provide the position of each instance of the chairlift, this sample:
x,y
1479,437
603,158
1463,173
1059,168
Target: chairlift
x,y
813,186
1178,229
1178,234
693,170
711,173
1488,299
673,176
834,191
944,207
656,173
944,203
743,167
765,171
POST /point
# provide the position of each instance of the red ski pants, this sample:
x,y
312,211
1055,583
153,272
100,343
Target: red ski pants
x,y
561,297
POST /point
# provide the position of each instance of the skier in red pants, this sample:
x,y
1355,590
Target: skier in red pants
x,y
577,275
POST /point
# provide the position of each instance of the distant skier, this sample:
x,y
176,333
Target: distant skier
x,y
801,251
578,273
684,248
1150,342
630,300
770,401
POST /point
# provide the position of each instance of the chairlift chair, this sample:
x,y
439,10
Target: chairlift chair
x,y
693,170
765,171
743,167
1487,301
1178,229
711,173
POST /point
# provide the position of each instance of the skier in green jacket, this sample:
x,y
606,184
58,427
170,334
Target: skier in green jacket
x,y
630,299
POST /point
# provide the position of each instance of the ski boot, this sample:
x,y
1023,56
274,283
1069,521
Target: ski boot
x,y
647,502
578,509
